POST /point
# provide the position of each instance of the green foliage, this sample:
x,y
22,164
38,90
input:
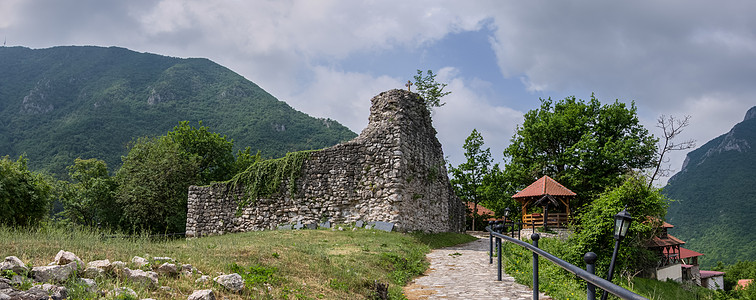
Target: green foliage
x,y
467,178
91,102
256,275
429,89
585,146
24,195
89,199
157,172
595,228
404,268
740,270
263,178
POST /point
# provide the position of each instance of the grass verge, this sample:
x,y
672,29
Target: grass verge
x,y
302,264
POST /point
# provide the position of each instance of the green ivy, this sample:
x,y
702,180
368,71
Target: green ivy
x,y
263,178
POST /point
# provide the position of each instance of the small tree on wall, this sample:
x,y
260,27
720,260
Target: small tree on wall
x,y
429,89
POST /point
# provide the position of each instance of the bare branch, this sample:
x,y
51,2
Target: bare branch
x,y
671,128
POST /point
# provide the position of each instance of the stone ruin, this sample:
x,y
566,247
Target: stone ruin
x,y
394,171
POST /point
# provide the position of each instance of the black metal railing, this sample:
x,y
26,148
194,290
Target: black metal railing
x,y
587,275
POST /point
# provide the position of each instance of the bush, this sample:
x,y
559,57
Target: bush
x,y
24,196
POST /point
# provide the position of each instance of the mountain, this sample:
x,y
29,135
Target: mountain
x,y
716,196
61,103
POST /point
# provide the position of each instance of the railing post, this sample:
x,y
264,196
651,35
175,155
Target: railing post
x,y
535,237
498,257
590,260
490,242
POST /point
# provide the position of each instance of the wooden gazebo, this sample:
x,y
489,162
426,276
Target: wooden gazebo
x,y
547,193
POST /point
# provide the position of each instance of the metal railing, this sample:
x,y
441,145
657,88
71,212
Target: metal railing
x,y
587,275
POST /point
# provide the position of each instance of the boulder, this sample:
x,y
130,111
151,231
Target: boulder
x,y
57,273
65,257
168,269
55,292
233,282
139,261
202,295
149,278
116,268
14,264
101,264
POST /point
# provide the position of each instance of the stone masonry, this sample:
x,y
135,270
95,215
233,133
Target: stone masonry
x,y
394,171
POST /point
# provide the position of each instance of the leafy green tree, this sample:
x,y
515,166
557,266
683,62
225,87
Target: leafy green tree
x,y
156,173
585,146
467,178
595,227
89,198
24,196
429,89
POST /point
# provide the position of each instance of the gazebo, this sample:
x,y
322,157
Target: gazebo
x,y
547,193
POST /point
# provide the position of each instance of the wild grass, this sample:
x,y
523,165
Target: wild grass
x,y
298,264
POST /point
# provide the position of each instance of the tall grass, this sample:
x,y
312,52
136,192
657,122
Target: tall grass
x,y
303,264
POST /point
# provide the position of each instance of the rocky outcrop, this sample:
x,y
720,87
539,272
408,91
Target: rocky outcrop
x,y
394,171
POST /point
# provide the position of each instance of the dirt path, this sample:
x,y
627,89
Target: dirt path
x,y
463,272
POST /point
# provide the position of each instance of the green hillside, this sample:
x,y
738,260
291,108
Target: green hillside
x,y
61,103
716,190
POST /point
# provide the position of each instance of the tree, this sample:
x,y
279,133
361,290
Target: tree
x,y
468,177
585,146
24,196
646,205
671,128
156,173
429,89
89,198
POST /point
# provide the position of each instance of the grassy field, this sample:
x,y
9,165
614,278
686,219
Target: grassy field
x,y
303,264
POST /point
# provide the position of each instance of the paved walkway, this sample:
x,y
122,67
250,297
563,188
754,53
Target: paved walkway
x,y
463,272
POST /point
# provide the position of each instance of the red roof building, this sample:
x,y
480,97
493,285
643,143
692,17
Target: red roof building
x,y
482,211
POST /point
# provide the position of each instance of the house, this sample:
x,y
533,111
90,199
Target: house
x,y
678,263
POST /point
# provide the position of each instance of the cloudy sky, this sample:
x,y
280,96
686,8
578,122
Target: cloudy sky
x,y
328,58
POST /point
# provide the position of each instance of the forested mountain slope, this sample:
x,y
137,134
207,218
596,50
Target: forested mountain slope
x,y
61,103
716,189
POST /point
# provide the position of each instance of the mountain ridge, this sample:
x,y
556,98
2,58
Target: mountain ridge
x,y
714,194
64,102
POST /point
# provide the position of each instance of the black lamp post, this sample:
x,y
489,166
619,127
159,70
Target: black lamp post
x,y
622,222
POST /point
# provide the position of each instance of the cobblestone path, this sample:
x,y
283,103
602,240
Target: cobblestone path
x,y
463,272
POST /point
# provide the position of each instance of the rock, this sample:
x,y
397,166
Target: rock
x,y
232,282
168,269
91,272
14,264
58,273
55,292
102,264
202,295
4,296
31,294
90,283
65,257
149,278
202,279
116,268
139,261
123,291
161,260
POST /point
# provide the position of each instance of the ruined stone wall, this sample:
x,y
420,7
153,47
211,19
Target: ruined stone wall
x,y
394,171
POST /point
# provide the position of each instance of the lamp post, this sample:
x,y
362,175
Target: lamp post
x,y
622,222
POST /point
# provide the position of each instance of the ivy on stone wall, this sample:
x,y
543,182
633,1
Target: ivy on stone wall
x,y
263,178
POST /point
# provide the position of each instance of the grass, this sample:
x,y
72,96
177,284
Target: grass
x,y
302,264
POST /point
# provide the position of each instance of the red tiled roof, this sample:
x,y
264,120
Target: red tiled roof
x,y
664,242
481,210
684,253
708,274
743,283
544,186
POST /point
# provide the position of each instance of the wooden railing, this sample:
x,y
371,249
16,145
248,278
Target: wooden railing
x,y
555,220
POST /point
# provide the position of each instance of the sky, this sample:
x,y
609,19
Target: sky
x,y
328,58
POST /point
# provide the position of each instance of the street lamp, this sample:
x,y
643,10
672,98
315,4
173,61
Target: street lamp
x,y
622,222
